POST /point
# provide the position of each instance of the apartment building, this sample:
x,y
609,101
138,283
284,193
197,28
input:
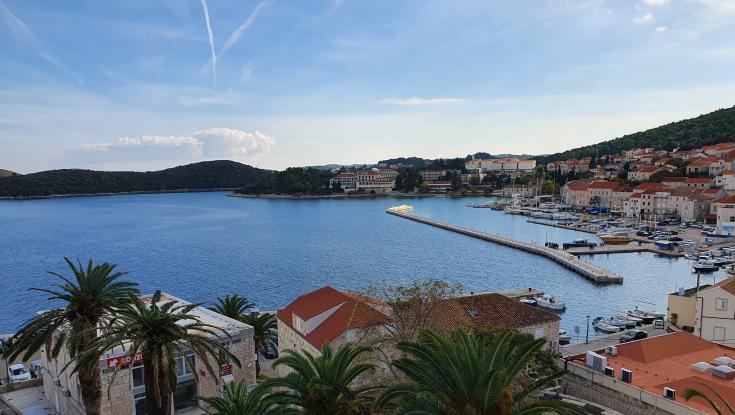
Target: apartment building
x,y
644,173
346,181
715,312
504,165
571,165
125,385
436,174
650,376
724,209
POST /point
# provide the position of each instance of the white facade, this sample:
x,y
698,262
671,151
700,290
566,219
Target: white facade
x,y
715,314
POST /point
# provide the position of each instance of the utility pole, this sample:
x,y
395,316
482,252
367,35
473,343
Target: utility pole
x,y
587,335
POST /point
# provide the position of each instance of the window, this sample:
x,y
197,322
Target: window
x,y
719,334
721,304
138,377
184,368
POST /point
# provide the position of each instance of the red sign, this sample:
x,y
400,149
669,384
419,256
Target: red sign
x,y
123,361
226,370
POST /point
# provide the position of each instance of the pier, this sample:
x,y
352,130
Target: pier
x,y
583,268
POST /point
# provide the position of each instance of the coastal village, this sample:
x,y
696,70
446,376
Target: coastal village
x,y
639,362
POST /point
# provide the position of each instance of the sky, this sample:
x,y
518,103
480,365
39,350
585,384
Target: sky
x,y
150,84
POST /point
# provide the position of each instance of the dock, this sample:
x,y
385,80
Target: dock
x,y
559,225
590,271
624,249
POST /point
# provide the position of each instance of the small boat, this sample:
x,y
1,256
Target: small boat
x,y
723,260
615,238
693,257
622,323
529,301
401,208
705,266
646,317
564,338
550,303
600,324
579,243
635,320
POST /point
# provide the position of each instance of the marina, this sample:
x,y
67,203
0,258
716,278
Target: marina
x,y
590,271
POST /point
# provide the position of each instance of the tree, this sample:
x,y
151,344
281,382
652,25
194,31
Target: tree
x,y
159,333
238,401
325,384
715,402
595,201
414,307
234,306
463,374
424,188
88,299
264,331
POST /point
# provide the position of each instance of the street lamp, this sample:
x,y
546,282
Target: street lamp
x,y
587,336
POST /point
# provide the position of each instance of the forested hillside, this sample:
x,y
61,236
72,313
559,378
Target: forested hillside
x,y
199,176
712,128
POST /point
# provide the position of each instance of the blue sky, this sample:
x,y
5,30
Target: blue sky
x,y
131,84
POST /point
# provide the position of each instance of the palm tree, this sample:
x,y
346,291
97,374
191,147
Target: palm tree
x,y
690,393
264,331
325,384
463,373
238,401
234,306
159,333
88,299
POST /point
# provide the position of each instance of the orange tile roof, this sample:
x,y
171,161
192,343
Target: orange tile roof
x,y
650,186
353,312
651,169
698,180
725,199
490,310
665,361
603,184
578,185
728,284
673,179
728,173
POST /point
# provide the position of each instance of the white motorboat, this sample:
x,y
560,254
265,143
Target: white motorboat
x,y
600,324
529,301
551,303
623,323
646,317
705,266
624,317
564,338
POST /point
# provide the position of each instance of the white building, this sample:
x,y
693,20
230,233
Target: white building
x,y
715,314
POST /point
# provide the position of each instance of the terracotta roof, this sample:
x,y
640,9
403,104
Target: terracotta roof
x,y
353,312
603,184
650,186
650,169
725,199
665,361
728,284
711,191
490,311
728,173
698,180
673,179
578,185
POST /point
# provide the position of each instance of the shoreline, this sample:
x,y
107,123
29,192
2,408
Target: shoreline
x,y
338,196
135,192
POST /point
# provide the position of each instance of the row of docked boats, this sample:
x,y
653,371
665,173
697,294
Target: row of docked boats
x,y
627,321
712,260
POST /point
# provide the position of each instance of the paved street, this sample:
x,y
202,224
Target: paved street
x,y
597,343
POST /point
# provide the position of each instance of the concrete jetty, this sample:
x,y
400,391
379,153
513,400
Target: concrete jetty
x,y
583,268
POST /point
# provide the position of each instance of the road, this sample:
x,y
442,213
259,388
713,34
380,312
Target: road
x,y
598,343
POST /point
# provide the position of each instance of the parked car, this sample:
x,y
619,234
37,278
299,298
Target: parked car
x,y
18,373
642,233
632,335
269,351
676,239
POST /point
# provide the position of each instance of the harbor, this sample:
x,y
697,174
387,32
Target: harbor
x,y
590,271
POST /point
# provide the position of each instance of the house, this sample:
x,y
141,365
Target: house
x,y
127,392
438,186
657,372
698,182
681,310
643,174
507,165
715,312
660,162
718,150
576,194
522,190
492,311
376,180
346,181
726,180
655,201
326,316
611,195
709,165
724,208
673,182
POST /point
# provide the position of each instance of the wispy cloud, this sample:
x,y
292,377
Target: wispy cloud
x,y
336,4
420,101
661,29
211,40
26,35
546,17
655,2
237,33
645,19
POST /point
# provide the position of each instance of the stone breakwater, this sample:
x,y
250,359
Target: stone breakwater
x,y
590,271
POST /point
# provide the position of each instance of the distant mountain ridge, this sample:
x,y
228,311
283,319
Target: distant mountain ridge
x,y
208,175
7,173
707,129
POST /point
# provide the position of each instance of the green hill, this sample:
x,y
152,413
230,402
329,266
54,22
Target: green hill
x,y
712,128
198,176
7,173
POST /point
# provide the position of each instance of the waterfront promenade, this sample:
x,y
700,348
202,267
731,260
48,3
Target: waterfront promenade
x,y
583,268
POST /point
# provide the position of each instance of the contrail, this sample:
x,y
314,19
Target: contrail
x,y
23,32
235,36
548,16
211,41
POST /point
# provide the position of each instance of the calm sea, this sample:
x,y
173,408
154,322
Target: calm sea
x,y
199,246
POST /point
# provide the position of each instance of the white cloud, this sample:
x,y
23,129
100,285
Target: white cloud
x,y
655,2
420,101
645,19
661,29
206,144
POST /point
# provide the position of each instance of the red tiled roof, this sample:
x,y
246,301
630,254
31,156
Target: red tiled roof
x,y
728,173
698,180
353,312
650,186
651,169
673,179
490,311
602,184
725,199
578,185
